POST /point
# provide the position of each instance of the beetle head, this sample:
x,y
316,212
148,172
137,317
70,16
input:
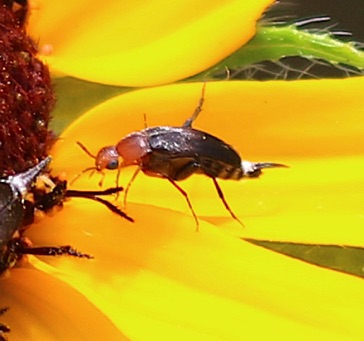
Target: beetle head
x,y
107,158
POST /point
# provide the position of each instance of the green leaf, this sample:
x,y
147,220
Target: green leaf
x,y
347,259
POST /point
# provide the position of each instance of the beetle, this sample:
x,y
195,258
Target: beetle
x,y
176,153
13,191
14,209
17,213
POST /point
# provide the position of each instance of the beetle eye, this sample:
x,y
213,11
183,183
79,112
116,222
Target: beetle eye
x,y
113,164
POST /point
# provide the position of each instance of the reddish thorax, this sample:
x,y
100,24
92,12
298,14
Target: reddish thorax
x,y
132,148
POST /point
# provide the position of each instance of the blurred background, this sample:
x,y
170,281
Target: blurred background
x,y
345,15
343,18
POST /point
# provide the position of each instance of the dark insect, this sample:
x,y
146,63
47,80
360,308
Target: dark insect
x,y
13,245
175,153
17,213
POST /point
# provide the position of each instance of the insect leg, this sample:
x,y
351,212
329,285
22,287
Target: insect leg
x,y
188,201
3,327
75,193
189,121
128,186
92,195
19,247
55,251
102,178
111,207
117,182
221,195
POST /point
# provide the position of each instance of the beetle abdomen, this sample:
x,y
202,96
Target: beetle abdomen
x,y
216,169
198,152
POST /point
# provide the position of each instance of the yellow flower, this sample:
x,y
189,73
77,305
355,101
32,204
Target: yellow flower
x,y
160,279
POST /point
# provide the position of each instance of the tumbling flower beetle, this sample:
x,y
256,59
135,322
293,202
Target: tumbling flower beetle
x,y
16,213
13,190
175,153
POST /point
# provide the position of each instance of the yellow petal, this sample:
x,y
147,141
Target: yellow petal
x,y
142,42
44,308
312,126
159,279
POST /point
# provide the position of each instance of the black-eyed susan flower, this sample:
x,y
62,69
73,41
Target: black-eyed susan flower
x,y
158,278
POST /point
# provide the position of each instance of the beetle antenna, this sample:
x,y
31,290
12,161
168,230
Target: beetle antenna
x,y
189,121
83,147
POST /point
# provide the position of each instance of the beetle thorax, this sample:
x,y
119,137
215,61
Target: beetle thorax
x,y
133,147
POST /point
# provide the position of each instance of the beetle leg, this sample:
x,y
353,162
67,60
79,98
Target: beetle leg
x,y
19,247
117,182
3,327
102,178
111,207
82,194
189,121
128,186
221,195
55,251
93,195
188,201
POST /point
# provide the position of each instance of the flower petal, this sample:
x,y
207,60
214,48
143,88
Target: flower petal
x,y
312,126
44,308
142,42
158,278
